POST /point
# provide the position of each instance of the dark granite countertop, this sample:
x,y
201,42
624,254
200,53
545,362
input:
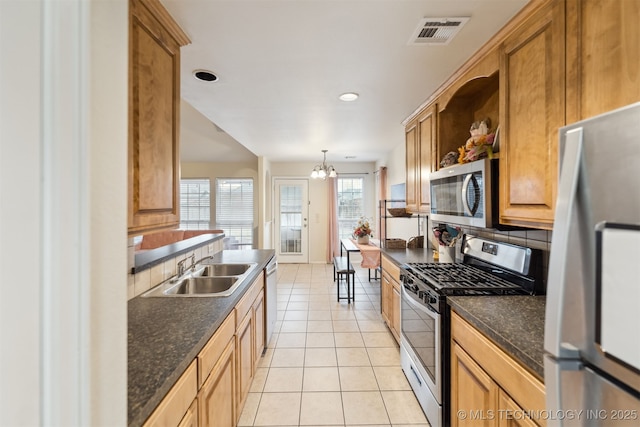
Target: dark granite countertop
x,y
166,334
515,323
403,256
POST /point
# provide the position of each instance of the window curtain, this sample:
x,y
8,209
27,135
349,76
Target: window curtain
x,y
333,243
382,195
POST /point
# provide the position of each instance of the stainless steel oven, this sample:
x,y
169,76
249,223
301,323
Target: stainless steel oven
x,y
488,268
421,347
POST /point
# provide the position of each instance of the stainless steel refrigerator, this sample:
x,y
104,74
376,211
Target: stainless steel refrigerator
x,y
592,324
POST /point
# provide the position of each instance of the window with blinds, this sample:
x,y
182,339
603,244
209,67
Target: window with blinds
x,y
350,204
234,211
195,204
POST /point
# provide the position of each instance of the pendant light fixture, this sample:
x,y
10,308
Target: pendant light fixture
x,y
322,171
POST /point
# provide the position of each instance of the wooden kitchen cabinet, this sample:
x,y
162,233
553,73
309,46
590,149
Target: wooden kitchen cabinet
x,y
190,419
421,159
390,290
177,405
217,397
472,392
411,167
427,152
154,118
260,327
488,385
532,108
603,56
249,338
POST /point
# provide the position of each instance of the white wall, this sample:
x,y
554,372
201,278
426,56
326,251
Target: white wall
x,y
396,166
63,132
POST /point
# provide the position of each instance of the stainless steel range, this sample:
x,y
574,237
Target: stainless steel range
x,y
488,268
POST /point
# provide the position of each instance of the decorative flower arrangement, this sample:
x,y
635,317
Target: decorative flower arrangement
x,y
362,228
480,144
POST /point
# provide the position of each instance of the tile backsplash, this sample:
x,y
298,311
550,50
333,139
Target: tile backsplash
x,y
143,281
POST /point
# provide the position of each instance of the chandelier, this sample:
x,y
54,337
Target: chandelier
x,y
322,171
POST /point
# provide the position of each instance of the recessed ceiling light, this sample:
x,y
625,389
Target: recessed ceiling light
x,y
348,96
205,75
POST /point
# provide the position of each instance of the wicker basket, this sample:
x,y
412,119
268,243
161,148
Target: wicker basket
x,y
395,243
416,242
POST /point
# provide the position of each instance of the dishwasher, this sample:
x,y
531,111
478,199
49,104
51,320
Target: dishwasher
x,y
271,291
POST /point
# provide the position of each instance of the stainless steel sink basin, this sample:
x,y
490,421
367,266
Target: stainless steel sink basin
x,y
222,286
205,280
211,270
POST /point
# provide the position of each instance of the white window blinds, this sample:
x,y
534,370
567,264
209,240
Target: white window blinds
x,y
234,210
195,204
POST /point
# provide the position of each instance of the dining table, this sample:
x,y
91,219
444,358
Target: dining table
x,y
370,253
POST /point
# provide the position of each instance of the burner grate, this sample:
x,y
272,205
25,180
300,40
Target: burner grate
x,y
461,279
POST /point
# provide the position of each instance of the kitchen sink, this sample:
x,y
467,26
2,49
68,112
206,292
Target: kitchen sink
x,y
226,269
205,280
221,286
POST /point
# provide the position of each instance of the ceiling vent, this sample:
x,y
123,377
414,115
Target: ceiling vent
x,y
438,31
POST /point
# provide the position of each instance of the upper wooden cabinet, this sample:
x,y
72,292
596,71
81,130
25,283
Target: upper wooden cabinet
x,y
603,56
154,117
532,108
411,169
421,152
427,155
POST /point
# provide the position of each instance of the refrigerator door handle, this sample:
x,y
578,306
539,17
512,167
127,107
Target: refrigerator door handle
x,y
558,268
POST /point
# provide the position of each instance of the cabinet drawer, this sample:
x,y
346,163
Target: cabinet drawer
x,y
211,352
177,402
245,304
391,268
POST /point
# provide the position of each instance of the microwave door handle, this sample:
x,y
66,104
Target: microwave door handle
x,y
471,211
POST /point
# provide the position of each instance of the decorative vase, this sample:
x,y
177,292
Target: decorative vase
x,y
364,240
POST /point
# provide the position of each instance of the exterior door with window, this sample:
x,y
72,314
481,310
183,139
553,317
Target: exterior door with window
x,y
291,220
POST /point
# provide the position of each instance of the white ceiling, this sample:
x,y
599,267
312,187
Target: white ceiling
x,y
281,65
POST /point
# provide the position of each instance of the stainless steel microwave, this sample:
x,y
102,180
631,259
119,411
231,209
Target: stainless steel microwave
x,y
464,194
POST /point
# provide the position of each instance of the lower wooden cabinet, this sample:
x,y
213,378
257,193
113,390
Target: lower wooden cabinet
x,y
216,399
473,393
249,339
488,387
244,346
178,402
212,391
259,315
190,419
390,296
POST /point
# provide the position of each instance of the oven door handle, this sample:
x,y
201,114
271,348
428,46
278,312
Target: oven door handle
x,y
411,299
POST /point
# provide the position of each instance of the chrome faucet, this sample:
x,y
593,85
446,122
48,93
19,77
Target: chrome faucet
x,y
181,267
193,264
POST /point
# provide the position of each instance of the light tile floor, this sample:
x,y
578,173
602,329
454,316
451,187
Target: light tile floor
x,y
329,362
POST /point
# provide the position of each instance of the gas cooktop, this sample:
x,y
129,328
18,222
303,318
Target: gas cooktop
x,y
488,267
451,277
